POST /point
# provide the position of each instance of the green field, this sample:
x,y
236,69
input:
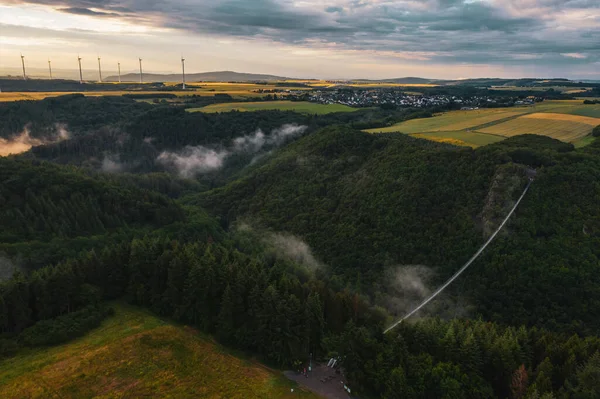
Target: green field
x,y
297,106
566,120
135,354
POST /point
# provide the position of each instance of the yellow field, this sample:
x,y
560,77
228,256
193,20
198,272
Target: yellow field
x,y
133,355
566,120
297,106
440,139
450,121
563,127
17,96
463,138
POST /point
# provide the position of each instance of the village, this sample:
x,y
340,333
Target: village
x,y
400,98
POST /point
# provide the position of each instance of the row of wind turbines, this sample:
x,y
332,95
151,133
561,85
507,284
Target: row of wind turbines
x,y
100,70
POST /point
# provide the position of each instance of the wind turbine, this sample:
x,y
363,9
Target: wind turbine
x,y
119,66
183,71
80,74
141,75
23,63
99,70
50,68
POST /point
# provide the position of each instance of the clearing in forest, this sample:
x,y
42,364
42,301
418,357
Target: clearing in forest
x,y
135,354
297,106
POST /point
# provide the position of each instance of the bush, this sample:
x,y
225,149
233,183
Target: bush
x,y
596,131
8,347
64,328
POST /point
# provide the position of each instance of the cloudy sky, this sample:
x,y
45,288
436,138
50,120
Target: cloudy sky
x,y
310,38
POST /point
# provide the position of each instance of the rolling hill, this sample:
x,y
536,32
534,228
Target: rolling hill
x,y
367,203
136,354
218,76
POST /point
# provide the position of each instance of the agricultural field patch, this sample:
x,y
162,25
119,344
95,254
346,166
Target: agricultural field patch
x,y
591,110
297,106
562,89
135,354
455,120
18,96
563,127
463,138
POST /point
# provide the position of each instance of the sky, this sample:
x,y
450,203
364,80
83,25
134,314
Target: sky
x,y
345,39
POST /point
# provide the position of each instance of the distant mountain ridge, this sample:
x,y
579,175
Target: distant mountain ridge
x,y
218,76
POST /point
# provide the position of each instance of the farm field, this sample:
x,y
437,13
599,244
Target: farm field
x,y
451,121
562,89
566,120
464,138
298,106
18,96
135,354
563,127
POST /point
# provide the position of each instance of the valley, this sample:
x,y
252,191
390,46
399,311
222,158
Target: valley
x,y
293,232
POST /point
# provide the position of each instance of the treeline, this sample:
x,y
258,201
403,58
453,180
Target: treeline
x,y
282,312
75,112
66,85
49,213
42,201
268,305
471,359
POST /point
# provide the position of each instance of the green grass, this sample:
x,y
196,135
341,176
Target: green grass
x,y
136,354
591,110
582,142
297,106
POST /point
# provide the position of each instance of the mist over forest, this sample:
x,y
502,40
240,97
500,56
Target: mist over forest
x,y
284,234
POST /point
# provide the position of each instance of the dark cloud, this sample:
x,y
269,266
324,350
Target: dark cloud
x,y
334,9
460,31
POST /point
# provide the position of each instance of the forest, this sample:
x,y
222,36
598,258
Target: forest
x,y
311,244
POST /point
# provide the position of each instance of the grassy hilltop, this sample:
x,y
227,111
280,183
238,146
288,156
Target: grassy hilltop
x,y
136,354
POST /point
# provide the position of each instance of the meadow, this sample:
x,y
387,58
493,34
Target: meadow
x,y
136,354
297,106
566,120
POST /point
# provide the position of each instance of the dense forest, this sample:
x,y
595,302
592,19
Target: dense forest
x,y
366,203
310,237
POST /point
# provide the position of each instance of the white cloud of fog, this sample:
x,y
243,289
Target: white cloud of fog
x,y
23,141
406,287
111,164
7,268
294,249
193,160
255,142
